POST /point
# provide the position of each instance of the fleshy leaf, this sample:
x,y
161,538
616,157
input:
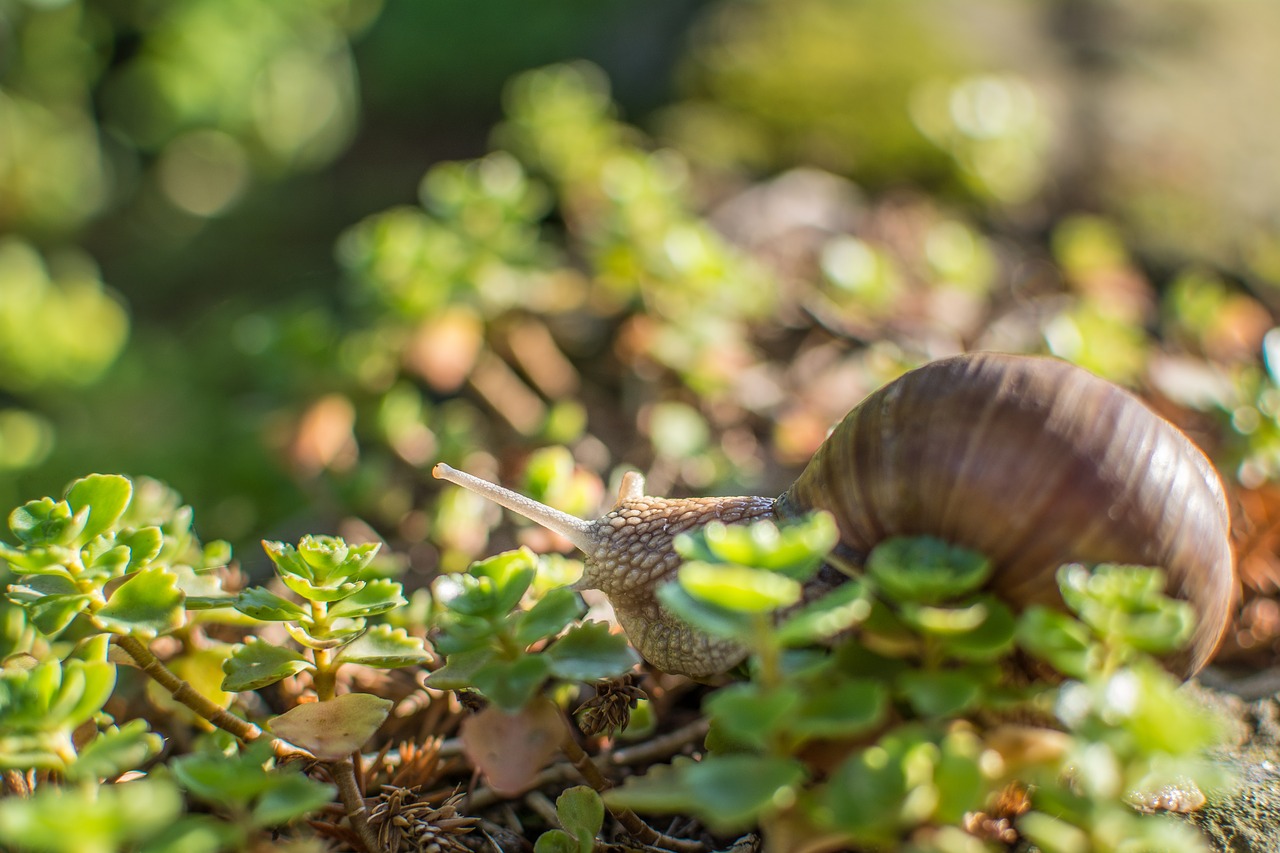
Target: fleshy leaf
x,y
581,813
794,550
47,522
511,684
589,651
739,588
335,728
939,694
290,795
727,791
385,648
377,596
841,708
143,544
1057,639
267,606
926,570
114,751
838,610
460,669
146,605
549,616
106,496
258,663
707,617
316,592
748,714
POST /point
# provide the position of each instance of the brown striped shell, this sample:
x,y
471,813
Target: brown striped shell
x,y
1033,462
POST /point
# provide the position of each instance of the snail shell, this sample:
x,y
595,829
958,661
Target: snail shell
x,y
1030,461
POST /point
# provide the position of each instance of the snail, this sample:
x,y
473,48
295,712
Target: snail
x,y
1029,460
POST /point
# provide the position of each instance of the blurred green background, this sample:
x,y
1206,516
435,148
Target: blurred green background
x,y
285,256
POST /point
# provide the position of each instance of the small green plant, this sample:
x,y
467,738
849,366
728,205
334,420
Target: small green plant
x,y
504,651
914,691
581,814
116,561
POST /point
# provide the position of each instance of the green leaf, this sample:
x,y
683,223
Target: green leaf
x,y
338,633
795,550
290,796
708,618
86,687
385,648
735,790
47,522
332,559
289,562
228,781
92,818
114,751
837,611
739,588
317,592
581,813
43,560
749,714
105,496
663,789
991,639
841,708
267,606
335,728
549,616
257,663
145,606
490,588
926,570
1057,639
460,669
51,601
940,694
1126,605
866,793
377,596
103,559
143,544
557,841
511,684
588,651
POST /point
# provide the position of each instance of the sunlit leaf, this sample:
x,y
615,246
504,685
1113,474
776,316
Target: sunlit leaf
x,y
333,728
146,605
257,663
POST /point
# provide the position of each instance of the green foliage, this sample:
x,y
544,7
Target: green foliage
x,y
339,596
581,813
917,656
508,652
45,702
247,789
142,816
73,552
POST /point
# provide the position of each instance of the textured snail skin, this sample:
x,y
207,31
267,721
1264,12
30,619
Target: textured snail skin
x,y
634,554
1030,461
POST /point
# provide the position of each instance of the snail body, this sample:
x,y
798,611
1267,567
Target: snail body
x,y
1030,461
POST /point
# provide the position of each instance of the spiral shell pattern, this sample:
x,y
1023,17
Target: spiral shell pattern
x,y
1035,463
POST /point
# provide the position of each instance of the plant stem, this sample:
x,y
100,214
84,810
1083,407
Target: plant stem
x,y
184,692
630,821
344,775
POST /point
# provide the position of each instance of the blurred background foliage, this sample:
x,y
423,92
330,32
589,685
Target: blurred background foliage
x,y
285,256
